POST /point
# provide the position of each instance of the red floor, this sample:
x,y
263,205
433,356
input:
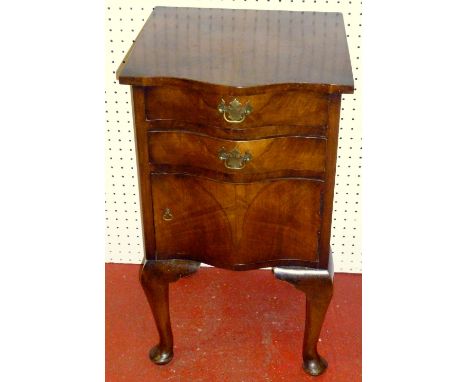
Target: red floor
x,y
229,326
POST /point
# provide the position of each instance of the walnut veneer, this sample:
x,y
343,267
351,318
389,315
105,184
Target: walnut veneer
x,y
236,117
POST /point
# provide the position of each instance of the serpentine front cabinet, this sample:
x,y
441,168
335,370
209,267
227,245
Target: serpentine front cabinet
x,y
236,118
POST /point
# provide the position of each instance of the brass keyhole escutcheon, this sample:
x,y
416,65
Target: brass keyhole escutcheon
x,y
235,112
167,214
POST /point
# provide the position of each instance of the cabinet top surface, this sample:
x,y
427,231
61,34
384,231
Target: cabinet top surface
x,y
240,48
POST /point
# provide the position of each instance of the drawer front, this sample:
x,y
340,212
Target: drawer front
x,y
225,224
295,108
273,157
239,133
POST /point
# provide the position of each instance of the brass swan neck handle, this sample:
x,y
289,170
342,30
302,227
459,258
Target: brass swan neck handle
x,y
235,112
233,159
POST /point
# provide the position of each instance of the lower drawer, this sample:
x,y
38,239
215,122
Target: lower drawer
x,y
234,225
272,157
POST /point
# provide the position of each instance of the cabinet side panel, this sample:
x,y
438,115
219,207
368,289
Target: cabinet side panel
x,y
146,202
330,171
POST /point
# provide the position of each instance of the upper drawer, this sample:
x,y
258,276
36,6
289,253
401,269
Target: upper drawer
x,y
261,158
295,108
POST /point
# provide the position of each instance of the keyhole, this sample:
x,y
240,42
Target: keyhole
x,y
167,215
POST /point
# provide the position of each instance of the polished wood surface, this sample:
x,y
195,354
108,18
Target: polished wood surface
x,y
155,277
318,288
270,108
144,171
225,224
272,204
241,49
240,132
271,158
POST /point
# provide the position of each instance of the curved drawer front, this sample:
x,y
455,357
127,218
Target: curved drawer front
x,y
276,157
296,108
226,224
240,133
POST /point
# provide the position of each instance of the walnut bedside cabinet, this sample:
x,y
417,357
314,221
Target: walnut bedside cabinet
x,y
236,118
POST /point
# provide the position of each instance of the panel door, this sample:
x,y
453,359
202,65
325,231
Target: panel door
x,y
233,225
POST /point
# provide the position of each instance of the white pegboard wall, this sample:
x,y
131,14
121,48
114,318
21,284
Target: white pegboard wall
x,y
124,20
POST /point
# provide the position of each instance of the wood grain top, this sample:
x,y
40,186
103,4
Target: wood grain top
x,y
240,49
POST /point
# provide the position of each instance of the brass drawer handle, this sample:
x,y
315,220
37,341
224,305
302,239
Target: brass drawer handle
x,y
167,214
233,159
235,111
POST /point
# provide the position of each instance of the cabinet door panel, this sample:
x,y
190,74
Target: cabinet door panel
x,y
233,225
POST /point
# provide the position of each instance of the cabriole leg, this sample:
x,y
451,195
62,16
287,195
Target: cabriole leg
x,y
318,288
155,276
